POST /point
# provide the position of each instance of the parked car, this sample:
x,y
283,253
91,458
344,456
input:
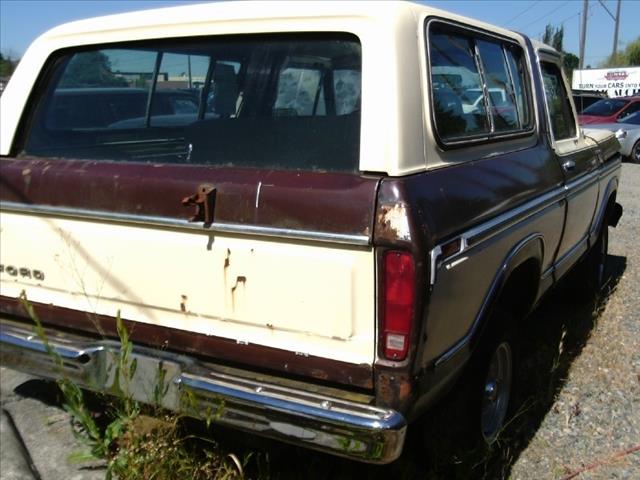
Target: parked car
x,y
627,131
585,98
609,110
327,255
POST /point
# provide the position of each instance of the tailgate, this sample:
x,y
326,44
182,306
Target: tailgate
x,y
286,263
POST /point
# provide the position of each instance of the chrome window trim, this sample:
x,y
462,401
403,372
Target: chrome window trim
x,y
167,222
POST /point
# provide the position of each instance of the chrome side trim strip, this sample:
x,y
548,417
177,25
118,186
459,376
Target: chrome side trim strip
x,y
158,221
464,341
519,214
493,227
489,229
578,185
293,414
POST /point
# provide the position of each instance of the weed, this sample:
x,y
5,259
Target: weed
x,y
135,440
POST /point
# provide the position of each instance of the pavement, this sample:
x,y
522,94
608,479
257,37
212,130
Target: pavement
x,y
36,440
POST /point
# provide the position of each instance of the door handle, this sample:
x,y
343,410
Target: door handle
x,y
204,201
569,165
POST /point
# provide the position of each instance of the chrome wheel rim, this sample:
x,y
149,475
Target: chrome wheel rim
x,y
602,263
636,152
496,392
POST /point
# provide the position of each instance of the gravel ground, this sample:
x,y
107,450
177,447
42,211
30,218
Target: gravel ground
x,y
577,407
596,414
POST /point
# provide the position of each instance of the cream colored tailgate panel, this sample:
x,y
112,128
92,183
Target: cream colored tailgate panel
x,y
311,299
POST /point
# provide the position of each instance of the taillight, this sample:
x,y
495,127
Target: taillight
x,y
398,298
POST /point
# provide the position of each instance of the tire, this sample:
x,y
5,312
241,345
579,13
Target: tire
x,y
634,157
480,404
494,379
595,264
496,391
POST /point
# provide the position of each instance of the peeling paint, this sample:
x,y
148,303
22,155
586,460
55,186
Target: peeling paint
x,y
183,303
395,218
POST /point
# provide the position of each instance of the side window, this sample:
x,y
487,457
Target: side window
x,y
479,85
519,77
561,117
504,114
266,101
176,96
458,100
300,92
346,85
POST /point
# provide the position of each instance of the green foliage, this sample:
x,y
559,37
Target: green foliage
x,y
7,66
138,442
570,62
90,69
555,37
629,57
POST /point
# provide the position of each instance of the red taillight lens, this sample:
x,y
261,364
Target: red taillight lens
x,y
399,296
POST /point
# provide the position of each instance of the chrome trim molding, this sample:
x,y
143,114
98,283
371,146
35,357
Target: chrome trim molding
x,y
296,415
464,341
489,229
157,221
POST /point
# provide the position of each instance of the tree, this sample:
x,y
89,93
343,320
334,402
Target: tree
x,y
555,37
7,66
629,57
90,69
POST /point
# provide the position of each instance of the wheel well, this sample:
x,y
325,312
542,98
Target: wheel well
x,y
521,289
613,211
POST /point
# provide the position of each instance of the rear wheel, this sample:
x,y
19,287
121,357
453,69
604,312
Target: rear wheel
x,y
482,400
635,153
596,262
496,392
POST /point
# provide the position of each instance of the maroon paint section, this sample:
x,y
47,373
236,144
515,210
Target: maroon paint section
x,y
448,201
441,204
314,201
208,348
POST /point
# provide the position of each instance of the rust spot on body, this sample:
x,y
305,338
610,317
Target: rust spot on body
x,y
240,280
394,390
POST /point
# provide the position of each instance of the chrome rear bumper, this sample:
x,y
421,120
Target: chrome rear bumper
x,y
334,425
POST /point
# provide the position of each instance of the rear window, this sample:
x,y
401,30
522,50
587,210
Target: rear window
x,y
261,101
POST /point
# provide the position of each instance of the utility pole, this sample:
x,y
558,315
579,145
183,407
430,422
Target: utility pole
x,y
615,32
583,37
616,19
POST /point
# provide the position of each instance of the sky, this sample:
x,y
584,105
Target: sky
x,y
21,21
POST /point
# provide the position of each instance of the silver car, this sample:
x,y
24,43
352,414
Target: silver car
x,y
627,131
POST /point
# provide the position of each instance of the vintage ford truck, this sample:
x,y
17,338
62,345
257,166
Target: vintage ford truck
x,y
317,215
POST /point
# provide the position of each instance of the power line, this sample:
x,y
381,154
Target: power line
x,y
522,12
545,16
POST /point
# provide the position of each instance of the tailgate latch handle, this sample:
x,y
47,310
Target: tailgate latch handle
x,y
204,200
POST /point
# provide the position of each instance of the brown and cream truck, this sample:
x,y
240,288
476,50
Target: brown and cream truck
x,y
317,215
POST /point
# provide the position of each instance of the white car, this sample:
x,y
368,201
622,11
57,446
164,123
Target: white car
x,y
627,131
